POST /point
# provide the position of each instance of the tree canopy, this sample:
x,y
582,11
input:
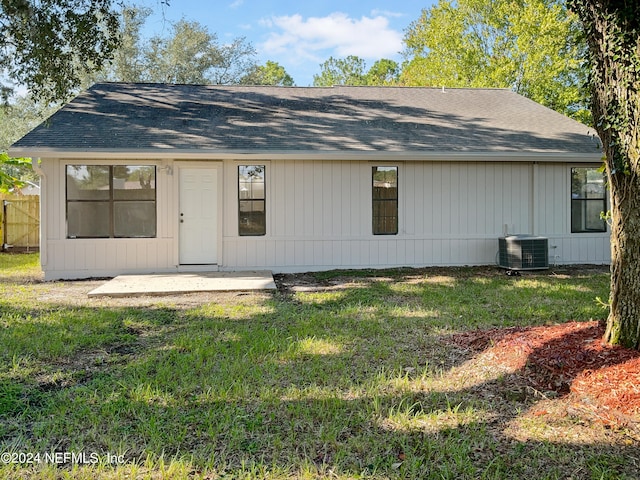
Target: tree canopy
x,y
352,70
128,62
383,72
612,30
80,42
193,55
49,45
56,47
188,54
13,172
341,71
16,119
271,73
533,47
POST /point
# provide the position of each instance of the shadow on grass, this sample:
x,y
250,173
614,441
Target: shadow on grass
x,y
351,383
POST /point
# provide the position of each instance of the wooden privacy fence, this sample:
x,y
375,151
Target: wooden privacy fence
x,y
20,222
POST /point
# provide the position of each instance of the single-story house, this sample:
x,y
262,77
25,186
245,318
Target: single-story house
x,y
141,178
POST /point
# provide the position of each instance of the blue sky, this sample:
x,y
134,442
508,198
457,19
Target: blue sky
x,y
299,35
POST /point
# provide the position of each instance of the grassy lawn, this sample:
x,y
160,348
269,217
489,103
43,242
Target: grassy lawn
x,y
356,379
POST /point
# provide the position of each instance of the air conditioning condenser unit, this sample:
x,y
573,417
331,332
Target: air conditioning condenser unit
x,y
523,252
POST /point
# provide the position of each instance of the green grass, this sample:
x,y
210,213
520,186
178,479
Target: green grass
x,y
349,382
19,266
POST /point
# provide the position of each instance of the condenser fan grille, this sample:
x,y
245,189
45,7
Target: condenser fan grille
x,y
523,252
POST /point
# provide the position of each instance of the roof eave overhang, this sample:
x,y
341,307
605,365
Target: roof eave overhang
x,y
360,155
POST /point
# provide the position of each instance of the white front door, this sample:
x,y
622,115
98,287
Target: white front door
x,y
198,216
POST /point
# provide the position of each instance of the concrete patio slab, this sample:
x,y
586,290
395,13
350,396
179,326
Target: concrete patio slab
x,y
178,283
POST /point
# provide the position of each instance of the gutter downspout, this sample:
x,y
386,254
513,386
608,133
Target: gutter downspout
x,y
35,166
534,227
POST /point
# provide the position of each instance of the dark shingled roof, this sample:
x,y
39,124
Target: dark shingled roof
x,y
177,118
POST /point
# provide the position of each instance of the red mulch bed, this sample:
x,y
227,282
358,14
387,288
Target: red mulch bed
x,y
569,359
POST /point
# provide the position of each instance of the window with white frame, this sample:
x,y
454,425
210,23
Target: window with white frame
x,y
111,201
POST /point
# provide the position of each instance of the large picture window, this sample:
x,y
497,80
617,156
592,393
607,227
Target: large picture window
x,y
385,200
251,200
111,201
588,200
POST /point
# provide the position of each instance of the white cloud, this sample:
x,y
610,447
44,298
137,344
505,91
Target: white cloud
x,y
236,4
386,13
337,34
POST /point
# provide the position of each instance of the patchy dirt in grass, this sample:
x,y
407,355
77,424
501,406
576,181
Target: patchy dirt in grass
x,y
343,279
76,293
568,360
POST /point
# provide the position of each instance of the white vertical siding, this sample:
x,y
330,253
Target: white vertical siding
x,y
319,217
311,199
553,195
461,200
83,258
449,214
553,220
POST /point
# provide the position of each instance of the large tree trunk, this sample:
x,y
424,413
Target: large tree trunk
x,y
623,323
613,34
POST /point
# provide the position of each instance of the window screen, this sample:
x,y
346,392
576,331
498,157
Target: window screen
x,y
105,201
385,200
588,200
251,200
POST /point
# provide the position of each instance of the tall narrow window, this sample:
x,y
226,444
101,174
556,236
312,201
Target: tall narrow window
x,y
106,201
251,200
385,200
588,200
